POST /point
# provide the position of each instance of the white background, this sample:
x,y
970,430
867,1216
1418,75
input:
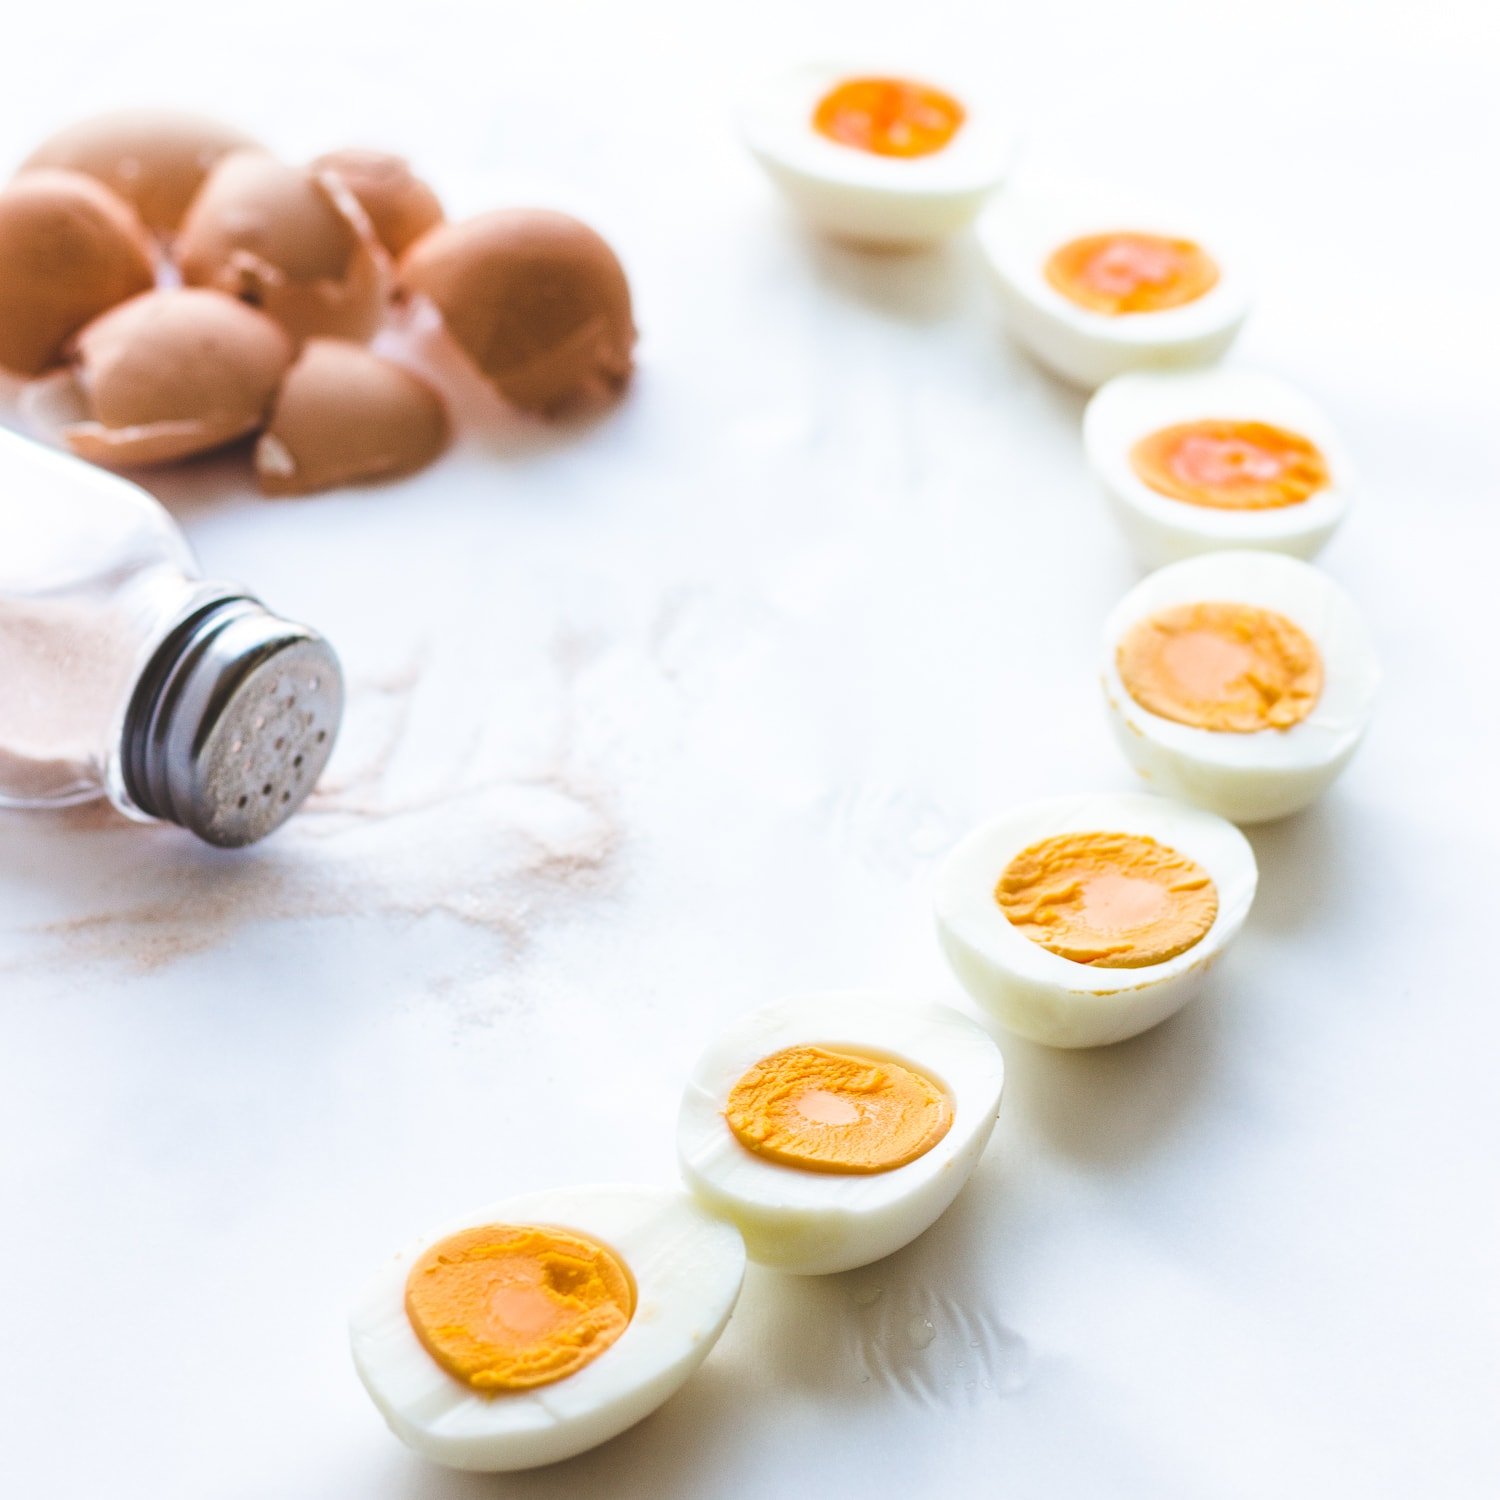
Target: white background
x,y
657,720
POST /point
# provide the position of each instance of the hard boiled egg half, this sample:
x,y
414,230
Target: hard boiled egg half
x,y
1094,286
1197,460
1083,920
833,1129
544,1325
876,155
1242,681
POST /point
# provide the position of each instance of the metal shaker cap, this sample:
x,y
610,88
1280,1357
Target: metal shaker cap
x,y
231,722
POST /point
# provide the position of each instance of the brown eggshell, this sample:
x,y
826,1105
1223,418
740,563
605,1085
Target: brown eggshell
x,y
289,240
69,249
155,159
536,300
345,415
164,375
401,206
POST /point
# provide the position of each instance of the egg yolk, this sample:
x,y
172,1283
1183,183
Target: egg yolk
x,y
1230,465
1129,272
1235,668
1113,900
832,1111
510,1307
888,117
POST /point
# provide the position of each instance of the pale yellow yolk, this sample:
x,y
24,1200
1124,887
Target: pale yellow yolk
x,y
508,1307
1113,900
1234,668
1230,465
888,117
832,1111
1129,272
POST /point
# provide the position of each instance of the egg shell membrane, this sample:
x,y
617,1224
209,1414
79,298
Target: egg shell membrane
x,y
69,250
811,1223
292,241
687,1267
1071,270
166,375
1305,596
345,415
536,300
1053,999
1132,407
154,159
1046,890
400,206
869,1114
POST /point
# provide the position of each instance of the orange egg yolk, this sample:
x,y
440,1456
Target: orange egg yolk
x,y
1235,668
888,117
1230,465
1113,900
827,1110
509,1307
1128,272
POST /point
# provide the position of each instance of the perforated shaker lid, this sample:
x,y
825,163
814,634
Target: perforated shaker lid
x,y
232,721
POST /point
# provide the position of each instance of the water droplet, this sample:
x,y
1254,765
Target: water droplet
x,y
865,1296
920,1332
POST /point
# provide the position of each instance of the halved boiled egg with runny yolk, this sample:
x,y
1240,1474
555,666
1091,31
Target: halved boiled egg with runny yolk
x,y
833,1129
1197,460
544,1325
877,156
1094,287
1242,681
1083,920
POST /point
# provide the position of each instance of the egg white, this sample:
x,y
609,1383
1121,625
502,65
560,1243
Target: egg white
x,y
1249,778
1056,1000
857,195
816,1222
1163,530
687,1267
1024,226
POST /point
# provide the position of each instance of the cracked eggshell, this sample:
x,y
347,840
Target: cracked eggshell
x,y
535,299
401,207
69,249
156,159
345,415
1056,1000
167,374
292,241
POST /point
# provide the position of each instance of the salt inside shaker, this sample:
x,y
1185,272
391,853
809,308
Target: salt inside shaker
x,y
125,674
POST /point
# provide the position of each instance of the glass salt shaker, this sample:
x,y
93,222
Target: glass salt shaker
x,y
125,674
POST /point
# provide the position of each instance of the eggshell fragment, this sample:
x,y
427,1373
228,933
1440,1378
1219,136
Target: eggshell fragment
x,y
344,416
536,300
167,374
402,208
69,249
290,240
156,159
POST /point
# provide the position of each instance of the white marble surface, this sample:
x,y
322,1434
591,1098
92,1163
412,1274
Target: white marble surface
x,y
657,720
